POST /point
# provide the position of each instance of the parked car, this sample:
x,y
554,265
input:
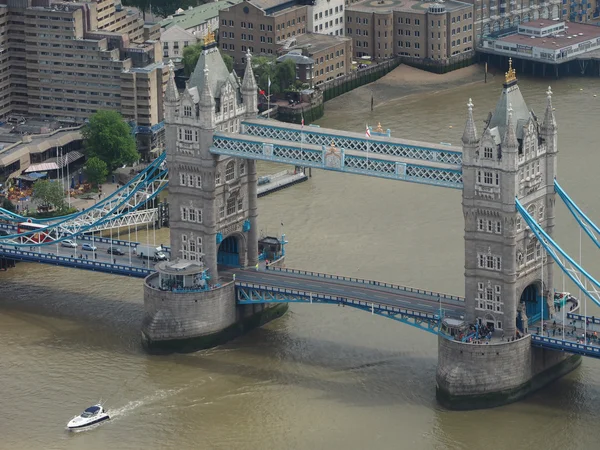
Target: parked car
x,y
115,251
89,247
68,243
4,233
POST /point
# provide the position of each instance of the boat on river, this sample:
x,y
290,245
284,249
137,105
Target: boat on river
x,y
91,416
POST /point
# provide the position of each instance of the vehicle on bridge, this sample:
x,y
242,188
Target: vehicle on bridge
x,y
41,236
68,243
115,251
89,247
152,252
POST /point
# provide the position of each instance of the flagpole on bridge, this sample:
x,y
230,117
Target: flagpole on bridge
x,y
269,97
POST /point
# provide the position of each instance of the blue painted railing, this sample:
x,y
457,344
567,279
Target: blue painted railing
x,y
77,263
594,320
369,282
566,346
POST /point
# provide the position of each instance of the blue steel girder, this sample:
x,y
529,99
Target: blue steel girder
x,y
423,151
565,346
249,293
339,160
590,228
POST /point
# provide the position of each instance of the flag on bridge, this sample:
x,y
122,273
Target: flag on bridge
x,y
368,132
302,123
269,82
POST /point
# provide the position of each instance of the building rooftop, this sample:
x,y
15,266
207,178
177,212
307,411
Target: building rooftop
x,y
316,42
298,58
193,17
574,34
415,6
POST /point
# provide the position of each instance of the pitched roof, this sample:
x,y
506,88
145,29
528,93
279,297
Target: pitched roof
x,y
511,96
193,17
217,72
176,33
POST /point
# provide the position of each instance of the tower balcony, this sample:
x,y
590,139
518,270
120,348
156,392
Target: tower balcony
x,y
487,192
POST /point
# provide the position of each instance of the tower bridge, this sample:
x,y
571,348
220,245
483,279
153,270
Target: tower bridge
x,y
217,285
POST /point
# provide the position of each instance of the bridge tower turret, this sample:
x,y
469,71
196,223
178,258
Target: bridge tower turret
x,y
213,209
514,158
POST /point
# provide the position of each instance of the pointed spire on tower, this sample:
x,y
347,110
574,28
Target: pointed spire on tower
x,y
206,96
470,133
171,93
510,136
249,82
549,119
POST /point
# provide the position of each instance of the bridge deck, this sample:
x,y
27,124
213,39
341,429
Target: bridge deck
x,y
427,302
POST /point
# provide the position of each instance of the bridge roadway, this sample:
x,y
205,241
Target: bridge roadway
x,y
331,285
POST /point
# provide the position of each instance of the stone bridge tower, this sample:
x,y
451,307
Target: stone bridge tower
x,y
214,198
514,157
213,214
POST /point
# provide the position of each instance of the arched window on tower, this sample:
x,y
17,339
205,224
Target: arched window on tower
x,y
230,171
531,211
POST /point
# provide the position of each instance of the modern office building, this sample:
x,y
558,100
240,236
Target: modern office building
x,y
65,60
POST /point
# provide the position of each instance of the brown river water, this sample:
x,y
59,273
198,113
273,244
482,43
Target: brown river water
x,y
321,377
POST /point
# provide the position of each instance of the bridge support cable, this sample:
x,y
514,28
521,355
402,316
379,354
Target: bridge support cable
x,y
138,182
121,211
567,264
590,228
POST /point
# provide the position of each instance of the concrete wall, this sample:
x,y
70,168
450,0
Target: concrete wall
x,y
471,376
170,315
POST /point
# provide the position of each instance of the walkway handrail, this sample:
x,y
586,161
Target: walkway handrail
x,y
369,282
69,261
567,346
339,299
581,318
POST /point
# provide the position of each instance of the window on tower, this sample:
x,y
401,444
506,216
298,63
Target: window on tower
x,y
230,171
230,206
488,152
187,111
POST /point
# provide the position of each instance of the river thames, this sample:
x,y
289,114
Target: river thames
x,y
322,377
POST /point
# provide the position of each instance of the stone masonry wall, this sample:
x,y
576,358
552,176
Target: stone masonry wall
x,y
170,315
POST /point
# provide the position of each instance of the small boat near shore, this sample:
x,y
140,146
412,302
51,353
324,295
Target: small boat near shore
x,y
91,416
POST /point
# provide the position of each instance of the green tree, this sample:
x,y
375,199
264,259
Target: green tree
x,y
285,74
49,194
7,204
96,170
190,57
109,138
264,68
191,54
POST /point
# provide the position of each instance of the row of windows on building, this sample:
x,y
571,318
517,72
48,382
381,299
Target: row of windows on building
x,y
490,262
263,27
329,12
489,298
251,49
489,226
329,24
489,178
464,40
189,214
232,206
529,170
193,180
76,74
465,28
191,248
190,180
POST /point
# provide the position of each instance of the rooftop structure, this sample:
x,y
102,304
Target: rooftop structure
x,y
198,19
547,41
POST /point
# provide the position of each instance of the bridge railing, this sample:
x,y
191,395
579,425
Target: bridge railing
x,y
567,346
368,282
361,304
592,319
69,261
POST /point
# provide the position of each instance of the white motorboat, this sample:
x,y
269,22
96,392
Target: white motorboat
x,y
91,416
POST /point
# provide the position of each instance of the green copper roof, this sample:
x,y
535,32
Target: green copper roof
x,y
200,14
